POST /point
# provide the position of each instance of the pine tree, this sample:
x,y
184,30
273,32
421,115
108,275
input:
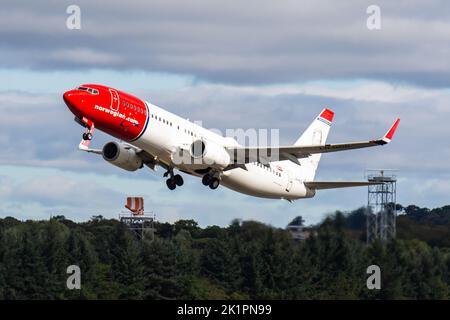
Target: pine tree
x,y
161,274
82,254
221,264
55,257
127,266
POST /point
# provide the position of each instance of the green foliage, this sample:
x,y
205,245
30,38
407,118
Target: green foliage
x,y
247,260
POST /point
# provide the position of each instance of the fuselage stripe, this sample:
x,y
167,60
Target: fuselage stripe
x,y
146,123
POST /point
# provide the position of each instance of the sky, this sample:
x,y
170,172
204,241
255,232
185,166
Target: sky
x,y
230,64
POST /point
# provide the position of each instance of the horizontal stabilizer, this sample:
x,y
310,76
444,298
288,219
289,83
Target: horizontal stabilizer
x,y
318,185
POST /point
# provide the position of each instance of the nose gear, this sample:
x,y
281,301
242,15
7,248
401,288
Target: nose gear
x,y
87,136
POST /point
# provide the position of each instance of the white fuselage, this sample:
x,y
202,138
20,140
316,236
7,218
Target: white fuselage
x,y
166,132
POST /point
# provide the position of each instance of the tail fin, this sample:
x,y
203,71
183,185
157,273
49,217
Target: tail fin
x,y
315,134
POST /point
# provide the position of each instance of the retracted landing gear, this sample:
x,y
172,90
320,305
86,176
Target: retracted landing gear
x,y
174,180
211,180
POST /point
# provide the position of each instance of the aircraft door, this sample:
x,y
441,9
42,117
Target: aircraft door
x,y
115,101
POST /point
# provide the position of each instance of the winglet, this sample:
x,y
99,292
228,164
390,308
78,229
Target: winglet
x,y
388,136
327,114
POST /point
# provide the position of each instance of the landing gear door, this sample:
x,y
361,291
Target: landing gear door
x,y
289,180
114,100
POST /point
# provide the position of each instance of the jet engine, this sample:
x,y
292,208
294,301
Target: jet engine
x,y
209,153
122,156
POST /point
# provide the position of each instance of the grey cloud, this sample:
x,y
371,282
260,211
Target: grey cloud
x,y
63,191
235,42
40,196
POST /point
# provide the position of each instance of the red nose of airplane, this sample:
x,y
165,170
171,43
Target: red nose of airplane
x,y
74,101
68,97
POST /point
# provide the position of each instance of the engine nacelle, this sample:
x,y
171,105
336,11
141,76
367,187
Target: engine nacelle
x,y
122,156
209,153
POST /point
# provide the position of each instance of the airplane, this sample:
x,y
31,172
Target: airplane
x,y
151,136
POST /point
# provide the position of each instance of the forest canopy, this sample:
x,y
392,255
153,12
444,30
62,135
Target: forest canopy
x,y
246,260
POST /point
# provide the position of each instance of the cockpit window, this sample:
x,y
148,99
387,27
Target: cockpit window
x,y
90,90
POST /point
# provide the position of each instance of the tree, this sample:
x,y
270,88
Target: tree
x,y
82,253
161,276
188,225
219,263
54,235
248,259
127,268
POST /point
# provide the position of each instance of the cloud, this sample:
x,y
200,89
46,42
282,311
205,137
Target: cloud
x,y
35,194
256,42
59,190
85,56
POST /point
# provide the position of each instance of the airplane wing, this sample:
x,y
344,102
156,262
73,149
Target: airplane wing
x,y
293,153
319,185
